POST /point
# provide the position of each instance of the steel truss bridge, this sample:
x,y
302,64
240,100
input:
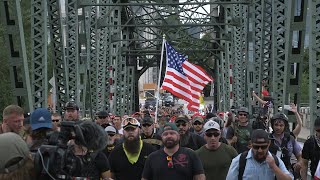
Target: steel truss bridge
x,y
96,46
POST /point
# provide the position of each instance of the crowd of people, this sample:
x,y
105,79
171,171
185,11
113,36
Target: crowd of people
x,y
176,146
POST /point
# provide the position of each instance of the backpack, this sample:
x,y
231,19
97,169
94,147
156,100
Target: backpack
x,y
243,162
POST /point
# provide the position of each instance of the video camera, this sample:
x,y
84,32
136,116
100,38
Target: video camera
x,y
57,160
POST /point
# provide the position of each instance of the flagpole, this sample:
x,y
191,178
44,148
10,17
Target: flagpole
x,y
159,79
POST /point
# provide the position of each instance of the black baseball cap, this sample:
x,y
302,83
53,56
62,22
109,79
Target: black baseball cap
x,y
102,113
147,120
261,135
71,105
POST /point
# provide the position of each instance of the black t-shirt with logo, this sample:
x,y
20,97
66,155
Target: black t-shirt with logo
x,y
122,168
186,164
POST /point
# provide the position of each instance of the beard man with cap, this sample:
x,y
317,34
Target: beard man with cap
x,y
71,111
258,162
127,159
215,156
173,162
239,133
187,138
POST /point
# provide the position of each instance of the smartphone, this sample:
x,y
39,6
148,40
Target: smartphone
x,y
287,107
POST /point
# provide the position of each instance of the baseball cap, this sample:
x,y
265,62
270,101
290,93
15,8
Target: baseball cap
x,y
12,147
71,105
197,118
102,113
130,122
211,124
182,118
147,120
40,118
259,134
110,129
170,126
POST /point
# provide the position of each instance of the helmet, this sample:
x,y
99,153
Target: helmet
x,y
280,116
243,109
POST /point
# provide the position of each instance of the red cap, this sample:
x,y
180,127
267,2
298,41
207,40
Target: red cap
x,y
265,93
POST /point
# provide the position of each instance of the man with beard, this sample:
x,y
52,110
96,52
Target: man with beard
x,y
12,120
187,138
198,125
215,156
258,162
173,162
102,118
238,134
111,140
148,134
127,160
71,111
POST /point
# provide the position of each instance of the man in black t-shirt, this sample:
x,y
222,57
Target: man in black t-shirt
x,y
311,151
148,134
128,158
187,138
173,162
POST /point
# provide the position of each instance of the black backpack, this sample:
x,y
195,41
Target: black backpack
x,y
243,162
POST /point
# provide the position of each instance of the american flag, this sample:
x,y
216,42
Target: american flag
x,y
184,79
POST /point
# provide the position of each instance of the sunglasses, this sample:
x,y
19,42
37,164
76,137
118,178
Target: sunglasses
x,y
197,123
55,120
170,162
258,147
146,125
215,134
181,124
130,120
111,134
241,114
102,117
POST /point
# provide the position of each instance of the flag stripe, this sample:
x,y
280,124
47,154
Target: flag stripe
x,y
184,79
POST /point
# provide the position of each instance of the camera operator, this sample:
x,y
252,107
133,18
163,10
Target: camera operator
x,y
94,142
41,124
82,157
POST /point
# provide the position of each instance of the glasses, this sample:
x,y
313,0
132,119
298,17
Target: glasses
x,y
146,125
170,162
241,114
111,134
215,134
197,123
102,117
130,120
55,120
258,147
181,124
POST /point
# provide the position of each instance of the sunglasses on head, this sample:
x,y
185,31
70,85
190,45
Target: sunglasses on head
x,y
242,114
197,123
258,147
131,120
170,162
210,134
181,124
55,120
